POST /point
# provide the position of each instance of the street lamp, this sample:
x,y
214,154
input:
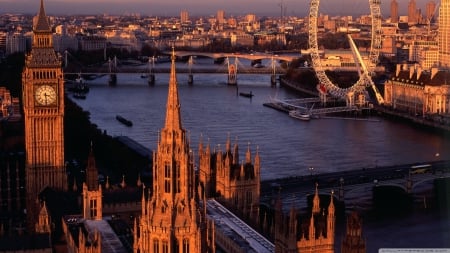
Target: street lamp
x,y
311,171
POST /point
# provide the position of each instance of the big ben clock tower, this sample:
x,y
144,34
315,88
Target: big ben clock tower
x,y
43,104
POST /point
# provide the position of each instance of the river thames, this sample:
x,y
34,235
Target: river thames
x,y
212,110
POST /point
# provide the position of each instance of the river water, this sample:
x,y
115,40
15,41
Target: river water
x,y
212,110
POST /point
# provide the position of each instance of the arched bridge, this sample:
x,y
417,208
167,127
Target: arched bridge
x,y
250,56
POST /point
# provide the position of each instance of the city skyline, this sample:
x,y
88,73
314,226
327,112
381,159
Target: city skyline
x,y
194,7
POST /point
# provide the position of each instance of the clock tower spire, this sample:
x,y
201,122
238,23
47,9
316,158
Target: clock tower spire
x,y
43,105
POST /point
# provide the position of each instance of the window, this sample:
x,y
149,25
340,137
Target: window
x,y
165,247
167,178
93,207
249,197
185,245
178,175
155,246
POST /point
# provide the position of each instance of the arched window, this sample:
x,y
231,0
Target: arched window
x,y
155,245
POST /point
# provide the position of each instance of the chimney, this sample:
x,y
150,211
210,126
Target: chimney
x,y
398,69
434,71
411,71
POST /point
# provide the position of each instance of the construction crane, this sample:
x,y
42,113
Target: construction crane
x,y
362,70
430,18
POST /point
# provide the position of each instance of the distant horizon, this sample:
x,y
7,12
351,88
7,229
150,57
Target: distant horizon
x,y
195,7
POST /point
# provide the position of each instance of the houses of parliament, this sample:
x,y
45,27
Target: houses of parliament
x,y
173,214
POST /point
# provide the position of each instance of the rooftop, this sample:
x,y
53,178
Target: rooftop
x,y
242,234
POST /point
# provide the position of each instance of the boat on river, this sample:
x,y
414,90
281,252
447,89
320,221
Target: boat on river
x,y
124,121
246,94
300,115
79,95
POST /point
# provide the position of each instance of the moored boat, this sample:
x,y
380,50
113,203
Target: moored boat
x,y
246,94
124,121
300,115
79,95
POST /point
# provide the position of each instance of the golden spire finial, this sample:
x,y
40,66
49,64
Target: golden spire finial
x,y
173,53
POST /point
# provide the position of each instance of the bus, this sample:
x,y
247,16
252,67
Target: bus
x,y
420,169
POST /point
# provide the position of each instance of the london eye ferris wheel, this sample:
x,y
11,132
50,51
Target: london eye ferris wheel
x,y
367,67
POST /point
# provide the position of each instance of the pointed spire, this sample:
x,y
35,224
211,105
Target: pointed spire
x,y
139,181
248,155
242,172
236,152
75,187
316,201
331,206
143,202
41,23
257,162
107,185
228,144
312,229
123,184
200,145
91,171
173,120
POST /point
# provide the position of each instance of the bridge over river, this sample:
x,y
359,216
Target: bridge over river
x,y
113,67
355,186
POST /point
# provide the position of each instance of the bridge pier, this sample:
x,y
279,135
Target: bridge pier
x,y
273,76
273,80
112,69
232,72
112,79
190,76
151,79
232,75
409,184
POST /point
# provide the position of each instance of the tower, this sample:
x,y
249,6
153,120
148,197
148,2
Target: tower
x,y
444,33
314,234
353,241
43,105
394,11
184,16
412,12
221,16
236,185
92,191
430,10
172,219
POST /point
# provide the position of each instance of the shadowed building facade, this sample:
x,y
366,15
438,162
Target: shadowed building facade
x,y
223,177
315,234
43,105
353,241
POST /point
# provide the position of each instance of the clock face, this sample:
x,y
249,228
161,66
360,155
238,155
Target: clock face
x,y
45,95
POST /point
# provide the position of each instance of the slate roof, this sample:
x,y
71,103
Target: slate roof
x,y
425,78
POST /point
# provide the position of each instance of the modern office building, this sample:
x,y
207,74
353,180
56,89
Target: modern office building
x,y
394,11
444,33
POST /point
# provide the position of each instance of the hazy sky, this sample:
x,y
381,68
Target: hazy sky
x,y
196,7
